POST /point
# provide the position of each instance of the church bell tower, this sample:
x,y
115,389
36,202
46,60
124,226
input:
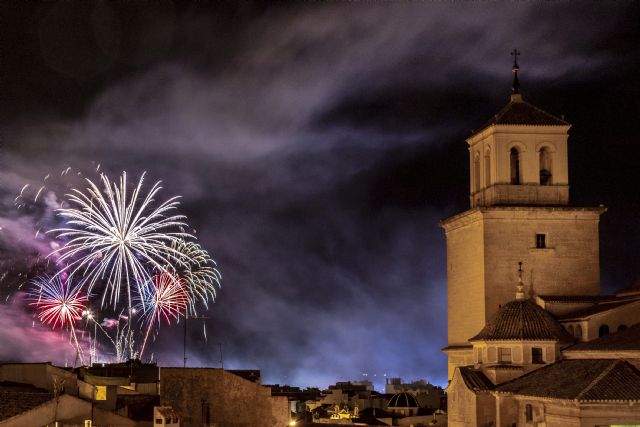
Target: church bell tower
x,y
520,212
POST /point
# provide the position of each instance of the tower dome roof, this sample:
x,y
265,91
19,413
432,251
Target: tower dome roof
x,y
523,320
403,400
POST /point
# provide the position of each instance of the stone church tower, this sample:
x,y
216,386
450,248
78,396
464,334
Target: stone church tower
x,y
520,212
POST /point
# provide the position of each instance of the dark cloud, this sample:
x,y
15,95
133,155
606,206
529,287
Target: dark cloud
x,y
315,147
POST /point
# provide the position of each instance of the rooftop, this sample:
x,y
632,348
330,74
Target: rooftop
x,y
625,340
475,379
16,398
403,400
584,380
596,309
519,112
522,320
577,298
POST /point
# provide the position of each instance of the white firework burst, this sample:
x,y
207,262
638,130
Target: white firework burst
x,y
115,237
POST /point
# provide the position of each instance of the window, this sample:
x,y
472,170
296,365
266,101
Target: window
x,y
545,167
476,173
515,166
159,421
604,330
101,392
487,168
479,355
528,412
579,332
536,355
541,241
206,416
504,355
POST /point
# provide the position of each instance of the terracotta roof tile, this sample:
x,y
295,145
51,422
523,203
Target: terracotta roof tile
x,y
585,380
475,379
522,320
523,113
16,398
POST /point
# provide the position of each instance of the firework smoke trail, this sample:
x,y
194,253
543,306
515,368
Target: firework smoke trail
x,y
59,303
118,238
167,299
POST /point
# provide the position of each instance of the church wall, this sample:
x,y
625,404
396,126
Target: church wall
x,y
506,411
555,413
568,266
461,403
608,414
486,352
465,277
486,410
459,357
627,315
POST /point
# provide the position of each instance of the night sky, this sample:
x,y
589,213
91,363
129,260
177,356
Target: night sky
x,y
315,146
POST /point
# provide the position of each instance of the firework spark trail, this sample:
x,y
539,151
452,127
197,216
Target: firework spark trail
x,y
112,230
200,274
169,298
113,239
59,303
88,314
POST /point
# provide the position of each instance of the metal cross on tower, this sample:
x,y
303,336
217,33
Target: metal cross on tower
x,y
515,87
515,55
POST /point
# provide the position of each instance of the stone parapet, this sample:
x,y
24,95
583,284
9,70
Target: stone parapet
x,y
507,194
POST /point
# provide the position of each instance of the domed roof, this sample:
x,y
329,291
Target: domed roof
x,y
522,320
403,400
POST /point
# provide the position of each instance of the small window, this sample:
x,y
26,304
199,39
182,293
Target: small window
x,y
504,355
514,156
536,355
528,412
159,421
541,241
604,330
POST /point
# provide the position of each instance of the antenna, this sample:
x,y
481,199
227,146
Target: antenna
x,y
185,336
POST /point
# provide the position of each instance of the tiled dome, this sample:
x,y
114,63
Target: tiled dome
x,y
403,400
522,320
